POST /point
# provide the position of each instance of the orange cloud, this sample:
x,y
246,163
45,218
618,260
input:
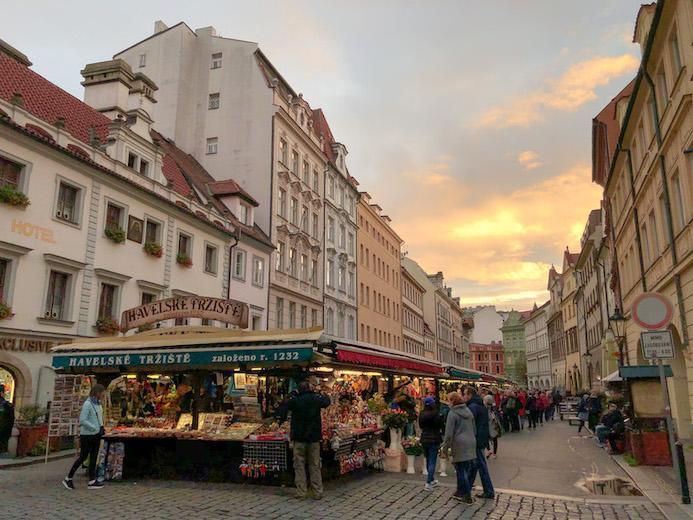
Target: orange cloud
x,y
529,159
571,90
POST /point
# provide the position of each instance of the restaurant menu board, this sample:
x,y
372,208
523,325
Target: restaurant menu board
x,y
69,393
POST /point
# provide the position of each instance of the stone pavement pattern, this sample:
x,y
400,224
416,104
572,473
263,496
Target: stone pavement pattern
x,y
35,493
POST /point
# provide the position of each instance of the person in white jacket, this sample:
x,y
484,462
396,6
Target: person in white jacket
x,y
90,433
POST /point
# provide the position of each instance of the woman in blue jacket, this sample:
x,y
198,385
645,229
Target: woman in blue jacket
x,y
90,433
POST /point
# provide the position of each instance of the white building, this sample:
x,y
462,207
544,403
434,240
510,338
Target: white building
x,y
115,219
341,196
222,100
487,324
538,349
413,323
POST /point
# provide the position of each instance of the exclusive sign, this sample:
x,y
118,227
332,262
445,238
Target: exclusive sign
x,y
227,311
189,358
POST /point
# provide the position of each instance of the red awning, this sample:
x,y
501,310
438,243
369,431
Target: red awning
x,y
488,379
382,361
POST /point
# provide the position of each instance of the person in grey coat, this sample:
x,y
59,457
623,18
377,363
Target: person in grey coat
x,y
460,438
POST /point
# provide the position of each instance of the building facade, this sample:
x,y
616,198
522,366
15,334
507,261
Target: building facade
x,y
117,217
554,326
487,324
487,358
573,367
649,188
225,102
538,349
380,289
341,196
451,335
413,329
514,347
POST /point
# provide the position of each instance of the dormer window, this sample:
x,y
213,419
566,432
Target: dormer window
x,y
138,164
245,214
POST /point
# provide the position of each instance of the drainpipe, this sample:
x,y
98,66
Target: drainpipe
x,y
636,221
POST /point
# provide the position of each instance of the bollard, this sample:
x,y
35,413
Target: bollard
x,y
685,493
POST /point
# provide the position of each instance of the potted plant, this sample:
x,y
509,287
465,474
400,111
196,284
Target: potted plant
x,y
116,234
32,428
395,419
153,249
412,448
9,194
107,325
184,260
376,406
649,445
5,311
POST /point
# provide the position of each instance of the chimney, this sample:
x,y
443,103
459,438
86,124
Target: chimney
x,y
13,53
159,26
107,87
206,31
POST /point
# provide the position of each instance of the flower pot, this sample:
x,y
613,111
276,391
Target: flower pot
x,y
650,448
443,467
395,440
29,436
410,464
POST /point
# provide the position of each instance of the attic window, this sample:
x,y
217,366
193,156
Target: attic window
x,y
138,164
143,60
216,60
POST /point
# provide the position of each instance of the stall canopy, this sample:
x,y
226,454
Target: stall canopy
x,y
189,348
643,372
465,374
364,354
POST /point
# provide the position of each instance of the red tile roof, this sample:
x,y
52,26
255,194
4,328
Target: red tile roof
x,y
230,187
49,102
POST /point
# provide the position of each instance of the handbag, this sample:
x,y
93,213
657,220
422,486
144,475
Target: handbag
x,y
102,430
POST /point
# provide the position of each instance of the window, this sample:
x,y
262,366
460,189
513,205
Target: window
x,y
314,318
679,209
280,313
283,151
304,219
256,323
316,225
212,145
143,60
330,273
351,285
244,216
258,271
107,301
341,279
210,259
351,244
282,202
304,268
184,245
292,315
152,231
341,197
329,325
144,167
662,89
10,173
239,264
331,186
306,173
342,237
57,297
216,60
652,221
304,316
213,103
114,216
645,243
330,229
132,160
281,251
316,181
4,279
294,162
292,262
675,51
67,207
314,272
147,298
294,211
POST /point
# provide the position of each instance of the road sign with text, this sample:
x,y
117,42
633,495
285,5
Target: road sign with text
x,y
657,344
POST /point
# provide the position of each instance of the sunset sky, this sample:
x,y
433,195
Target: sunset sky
x,y
468,122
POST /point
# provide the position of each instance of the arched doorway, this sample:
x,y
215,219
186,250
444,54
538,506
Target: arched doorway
x,y
8,382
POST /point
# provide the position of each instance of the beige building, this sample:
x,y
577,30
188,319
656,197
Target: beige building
x,y
380,290
413,330
650,188
573,368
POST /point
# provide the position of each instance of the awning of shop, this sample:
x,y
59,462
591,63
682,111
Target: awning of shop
x,y
488,378
384,359
643,372
614,377
464,374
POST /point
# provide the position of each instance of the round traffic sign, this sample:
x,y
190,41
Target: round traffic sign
x,y
652,311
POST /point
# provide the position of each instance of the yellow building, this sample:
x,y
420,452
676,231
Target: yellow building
x,y
380,293
572,370
650,187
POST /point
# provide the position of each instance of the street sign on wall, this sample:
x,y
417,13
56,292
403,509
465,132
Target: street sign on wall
x,y
652,311
657,344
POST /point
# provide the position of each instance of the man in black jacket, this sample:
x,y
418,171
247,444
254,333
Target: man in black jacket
x,y
306,432
476,405
6,420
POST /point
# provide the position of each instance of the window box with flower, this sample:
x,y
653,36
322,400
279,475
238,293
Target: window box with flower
x,y
9,194
107,325
153,249
116,234
5,311
184,260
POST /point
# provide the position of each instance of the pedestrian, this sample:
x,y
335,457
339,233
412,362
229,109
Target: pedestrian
x,y
494,425
90,432
431,424
543,403
532,410
522,412
6,420
306,433
481,422
594,409
582,413
612,427
512,410
556,399
548,402
460,439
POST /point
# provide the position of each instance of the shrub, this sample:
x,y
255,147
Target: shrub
x,y
12,196
31,415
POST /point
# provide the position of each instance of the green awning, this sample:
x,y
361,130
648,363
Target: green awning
x,y
463,374
643,372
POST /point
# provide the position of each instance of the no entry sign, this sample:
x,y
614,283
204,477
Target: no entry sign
x,y
652,311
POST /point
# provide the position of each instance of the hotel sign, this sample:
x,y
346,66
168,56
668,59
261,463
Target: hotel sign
x,y
227,311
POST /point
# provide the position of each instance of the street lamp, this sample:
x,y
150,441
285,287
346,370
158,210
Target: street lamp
x,y
618,333
588,364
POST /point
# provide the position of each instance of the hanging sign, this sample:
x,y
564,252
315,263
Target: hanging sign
x,y
657,344
652,311
227,311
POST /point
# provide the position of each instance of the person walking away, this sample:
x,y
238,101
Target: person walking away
x,y
481,421
460,439
431,424
522,412
90,432
556,399
582,413
594,410
532,410
494,425
306,433
544,404
512,409
6,420
503,409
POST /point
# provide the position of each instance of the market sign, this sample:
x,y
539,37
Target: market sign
x,y
181,357
657,344
652,311
227,311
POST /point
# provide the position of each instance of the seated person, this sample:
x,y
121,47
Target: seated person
x,y
611,427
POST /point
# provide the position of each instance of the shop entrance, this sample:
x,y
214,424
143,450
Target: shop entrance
x,y
9,383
